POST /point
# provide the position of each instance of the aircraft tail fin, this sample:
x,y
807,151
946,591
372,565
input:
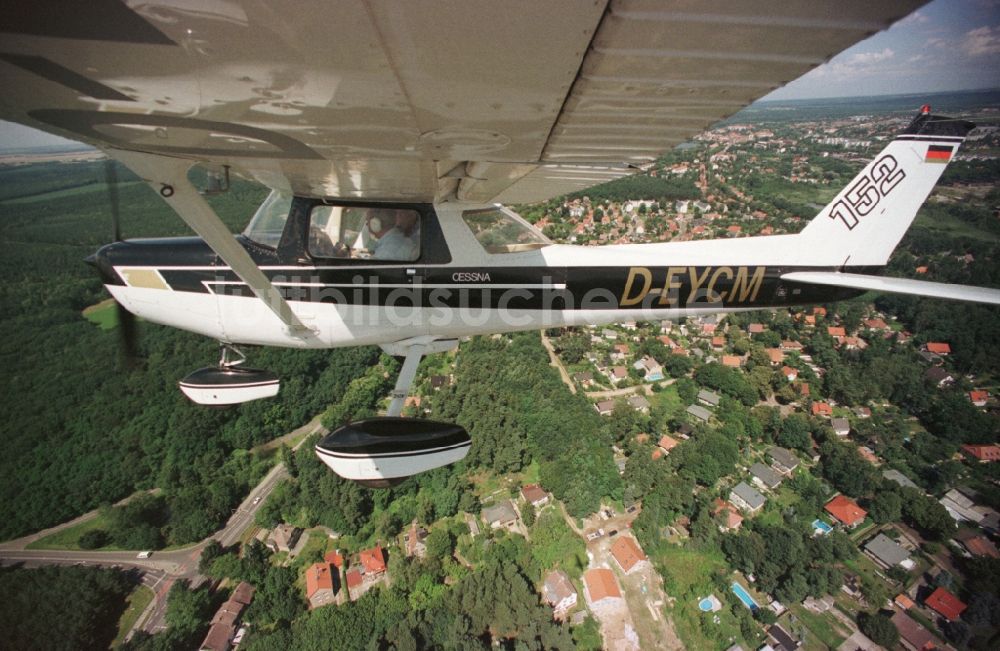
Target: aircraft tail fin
x,y
865,222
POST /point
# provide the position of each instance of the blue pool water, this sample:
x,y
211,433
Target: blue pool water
x,y
822,527
744,596
705,604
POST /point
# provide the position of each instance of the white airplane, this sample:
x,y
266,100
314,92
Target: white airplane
x,y
391,134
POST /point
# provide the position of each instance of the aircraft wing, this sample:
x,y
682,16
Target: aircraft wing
x,y
897,286
481,100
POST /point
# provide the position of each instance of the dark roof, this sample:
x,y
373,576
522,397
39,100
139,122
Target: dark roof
x,y
783,638
783,457
769,478
886,550
909,630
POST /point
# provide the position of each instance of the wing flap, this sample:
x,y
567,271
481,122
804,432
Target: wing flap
x,y
970,293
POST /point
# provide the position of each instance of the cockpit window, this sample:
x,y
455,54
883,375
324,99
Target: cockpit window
x,y
388,234
269,221
501,230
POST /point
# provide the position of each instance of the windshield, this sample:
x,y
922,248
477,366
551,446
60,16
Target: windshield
x,y
269,221
501,230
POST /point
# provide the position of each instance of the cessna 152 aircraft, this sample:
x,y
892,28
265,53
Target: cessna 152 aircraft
x,y
391,134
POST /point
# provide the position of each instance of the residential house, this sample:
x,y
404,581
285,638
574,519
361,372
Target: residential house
x,y
373,562
534,495
764,477
938,376
782,639
558,592
899,478
413,540
937,348
979,398
984,453
822,409
791,374
699,412
605,407
322,580
709,398
783,460
600,585
876,324
846,511
650,369
222,629
438,381
355,579
617,374
836,331
501,515
755,328
746,497
627,553
719,342
585,378
667,443
979,545
283,538
841,426
790,345
775,356
945,604
913,636
732,361
639,403
619,352
609,334
961,507
730,518
862,412
887,553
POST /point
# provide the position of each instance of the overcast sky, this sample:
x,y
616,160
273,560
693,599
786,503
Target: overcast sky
x,y
946,45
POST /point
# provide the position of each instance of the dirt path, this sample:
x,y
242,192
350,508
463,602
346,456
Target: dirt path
x,y
625,391
558,363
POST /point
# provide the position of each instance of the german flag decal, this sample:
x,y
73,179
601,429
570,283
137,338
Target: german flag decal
x,y
938,154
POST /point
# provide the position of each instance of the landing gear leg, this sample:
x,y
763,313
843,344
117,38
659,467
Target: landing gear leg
x,y
412,351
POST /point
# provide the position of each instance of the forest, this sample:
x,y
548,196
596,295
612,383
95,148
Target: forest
x,y
82,429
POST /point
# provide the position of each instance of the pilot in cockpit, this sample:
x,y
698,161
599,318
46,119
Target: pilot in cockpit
x,y
402,242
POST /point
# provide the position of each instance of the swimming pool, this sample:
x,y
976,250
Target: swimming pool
x,y
744,596
710,604
821,527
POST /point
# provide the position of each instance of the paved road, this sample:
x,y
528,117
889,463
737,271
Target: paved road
x,y
162,568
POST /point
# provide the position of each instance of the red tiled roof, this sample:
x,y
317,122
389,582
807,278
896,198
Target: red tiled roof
x,y
846,510
836,331
657,453
979,396
904,602
667,443
803,388
789,372
820,311
821,409
373,559
983,452
718,341
533,493
945,603
354,578
627,552
775,355
755,328
731,360
982,546
601,583
938,347
334,558
318,577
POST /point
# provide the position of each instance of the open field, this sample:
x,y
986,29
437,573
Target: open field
x,y
137,603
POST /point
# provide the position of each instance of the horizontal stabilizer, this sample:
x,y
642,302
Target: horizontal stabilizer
x,y
897,286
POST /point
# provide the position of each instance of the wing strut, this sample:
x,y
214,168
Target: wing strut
x,y
168,177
